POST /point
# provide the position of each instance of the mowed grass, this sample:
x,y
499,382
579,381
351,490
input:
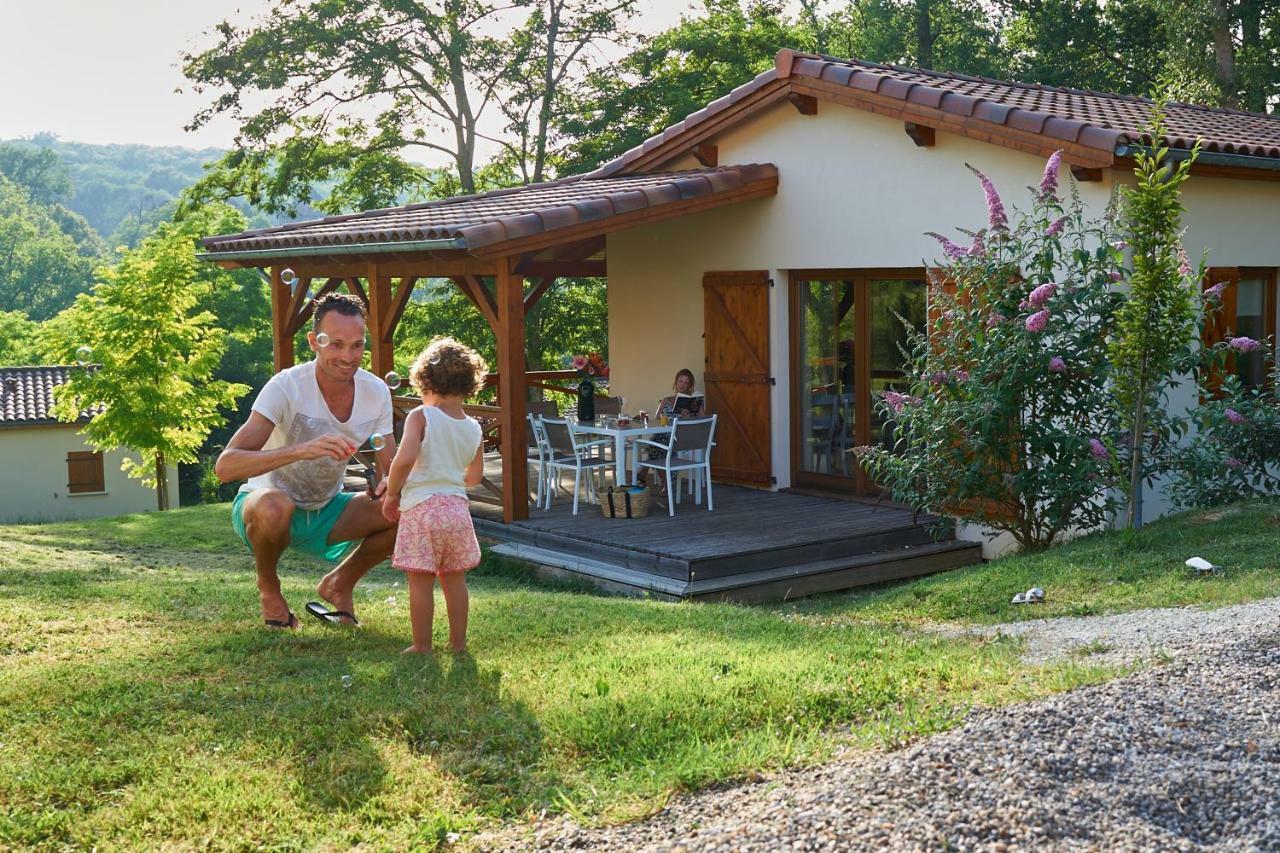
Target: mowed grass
x,y
1103,573
143,705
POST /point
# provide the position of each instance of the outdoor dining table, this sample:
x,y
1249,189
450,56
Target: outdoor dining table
x,y
620,435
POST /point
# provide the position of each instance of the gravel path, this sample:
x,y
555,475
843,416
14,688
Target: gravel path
x,y
1122,638
1185,756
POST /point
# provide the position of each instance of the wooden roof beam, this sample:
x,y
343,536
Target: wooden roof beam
x,y
922,135
806,105
706,153
1084,173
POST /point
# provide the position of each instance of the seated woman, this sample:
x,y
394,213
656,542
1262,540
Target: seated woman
x,y
683,406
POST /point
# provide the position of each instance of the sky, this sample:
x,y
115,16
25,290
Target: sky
x,y
106,71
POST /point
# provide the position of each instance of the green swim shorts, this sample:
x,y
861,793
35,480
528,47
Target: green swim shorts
x,y
309,529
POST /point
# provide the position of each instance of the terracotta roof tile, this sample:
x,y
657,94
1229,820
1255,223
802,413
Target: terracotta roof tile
x,y
1096,120
26,395
488,218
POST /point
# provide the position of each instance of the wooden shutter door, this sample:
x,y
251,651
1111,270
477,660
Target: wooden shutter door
x,y
736,377
84,472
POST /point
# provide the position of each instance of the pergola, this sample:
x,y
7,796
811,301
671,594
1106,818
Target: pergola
x,y
504,250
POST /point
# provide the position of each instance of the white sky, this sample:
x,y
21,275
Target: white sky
x,y
105,71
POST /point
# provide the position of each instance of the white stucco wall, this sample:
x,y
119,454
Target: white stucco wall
x,y
33,479
854,192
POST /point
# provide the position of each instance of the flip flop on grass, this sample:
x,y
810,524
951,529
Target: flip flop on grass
x,y
333,617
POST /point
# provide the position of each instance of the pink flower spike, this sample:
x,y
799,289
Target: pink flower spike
x,y
1184,263
1243,344
1233,463
1055,227
1049,183
1042,294
1098,450
1057,365
949,248
995,319
1119,245
1037,321
1215,293
579,362
1234,417
997,220
1116,275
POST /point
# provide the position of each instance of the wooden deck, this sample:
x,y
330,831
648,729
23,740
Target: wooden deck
x,y
755,546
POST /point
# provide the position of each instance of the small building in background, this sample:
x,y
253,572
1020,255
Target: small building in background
x,y
48,472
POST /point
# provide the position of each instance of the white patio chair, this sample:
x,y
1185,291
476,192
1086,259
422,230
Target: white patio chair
x,y
689,449
565,453
537,453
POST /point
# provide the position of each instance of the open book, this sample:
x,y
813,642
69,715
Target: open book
x,y
686,404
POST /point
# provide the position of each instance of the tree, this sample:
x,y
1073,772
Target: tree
x,y
155,354
18,344
426,72
947,35
41,268
1157,324
38,169
672,75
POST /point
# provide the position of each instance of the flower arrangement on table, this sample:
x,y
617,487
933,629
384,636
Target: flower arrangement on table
x,y
590,366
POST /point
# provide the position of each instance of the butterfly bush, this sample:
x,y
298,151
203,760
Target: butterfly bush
x,y
1025,441
1234,452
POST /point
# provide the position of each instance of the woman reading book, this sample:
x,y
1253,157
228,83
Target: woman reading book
x,y
684,402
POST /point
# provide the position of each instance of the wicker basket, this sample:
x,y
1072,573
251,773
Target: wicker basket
x,y
625,503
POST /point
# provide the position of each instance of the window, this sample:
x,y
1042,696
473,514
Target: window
x,y
84,472
1249,310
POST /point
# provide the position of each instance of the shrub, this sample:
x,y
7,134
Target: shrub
x,y
1009,420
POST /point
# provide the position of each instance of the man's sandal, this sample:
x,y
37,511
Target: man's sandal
x,y
282,624
333,617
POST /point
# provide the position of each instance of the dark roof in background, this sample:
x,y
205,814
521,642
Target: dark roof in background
x,y
26,395
481,220
1097,120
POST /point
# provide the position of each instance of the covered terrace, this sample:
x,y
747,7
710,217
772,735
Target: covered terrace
x,y
504,250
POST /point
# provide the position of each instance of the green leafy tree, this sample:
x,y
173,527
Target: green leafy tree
x,y
1008,419
41,268
420,82
672,75
1157,324
155,353
18,342
38,169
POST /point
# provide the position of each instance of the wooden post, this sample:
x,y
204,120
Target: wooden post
x,y
281,339
512,391
381,350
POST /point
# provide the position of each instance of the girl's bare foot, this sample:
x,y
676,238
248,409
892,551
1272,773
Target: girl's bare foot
x,y
416,649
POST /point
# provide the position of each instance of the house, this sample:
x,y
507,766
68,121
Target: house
x,y
768,239
47,470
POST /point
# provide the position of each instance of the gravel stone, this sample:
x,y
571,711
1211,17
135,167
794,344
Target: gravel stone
x,y
1182,756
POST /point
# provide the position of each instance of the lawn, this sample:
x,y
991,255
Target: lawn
x,y
142,704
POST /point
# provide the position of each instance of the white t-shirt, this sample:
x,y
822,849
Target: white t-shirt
x,y
448,446
292,401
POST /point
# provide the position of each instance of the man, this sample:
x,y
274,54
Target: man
x,y
294,449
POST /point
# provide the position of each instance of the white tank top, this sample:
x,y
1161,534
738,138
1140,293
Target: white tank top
x,y
448,446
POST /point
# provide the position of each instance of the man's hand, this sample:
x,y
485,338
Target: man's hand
x,y
390,505
331,446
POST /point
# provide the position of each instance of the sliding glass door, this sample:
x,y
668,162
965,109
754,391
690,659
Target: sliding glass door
x,y
848,336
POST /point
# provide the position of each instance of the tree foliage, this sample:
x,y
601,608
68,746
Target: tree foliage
x,y
1157,324
41,268
155,354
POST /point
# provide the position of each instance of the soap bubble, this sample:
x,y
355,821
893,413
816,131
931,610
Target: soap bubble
x,y
392,379
288,276
83,354
435,358
346,681
322,339
377,441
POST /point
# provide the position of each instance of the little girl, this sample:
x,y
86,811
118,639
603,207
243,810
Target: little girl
x,y
440,456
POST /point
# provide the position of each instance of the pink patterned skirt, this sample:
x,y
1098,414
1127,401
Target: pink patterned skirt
x,y
436,537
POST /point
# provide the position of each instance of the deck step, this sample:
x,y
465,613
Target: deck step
x,y
770,585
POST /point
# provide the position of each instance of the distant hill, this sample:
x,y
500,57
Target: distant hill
x,y
112,182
